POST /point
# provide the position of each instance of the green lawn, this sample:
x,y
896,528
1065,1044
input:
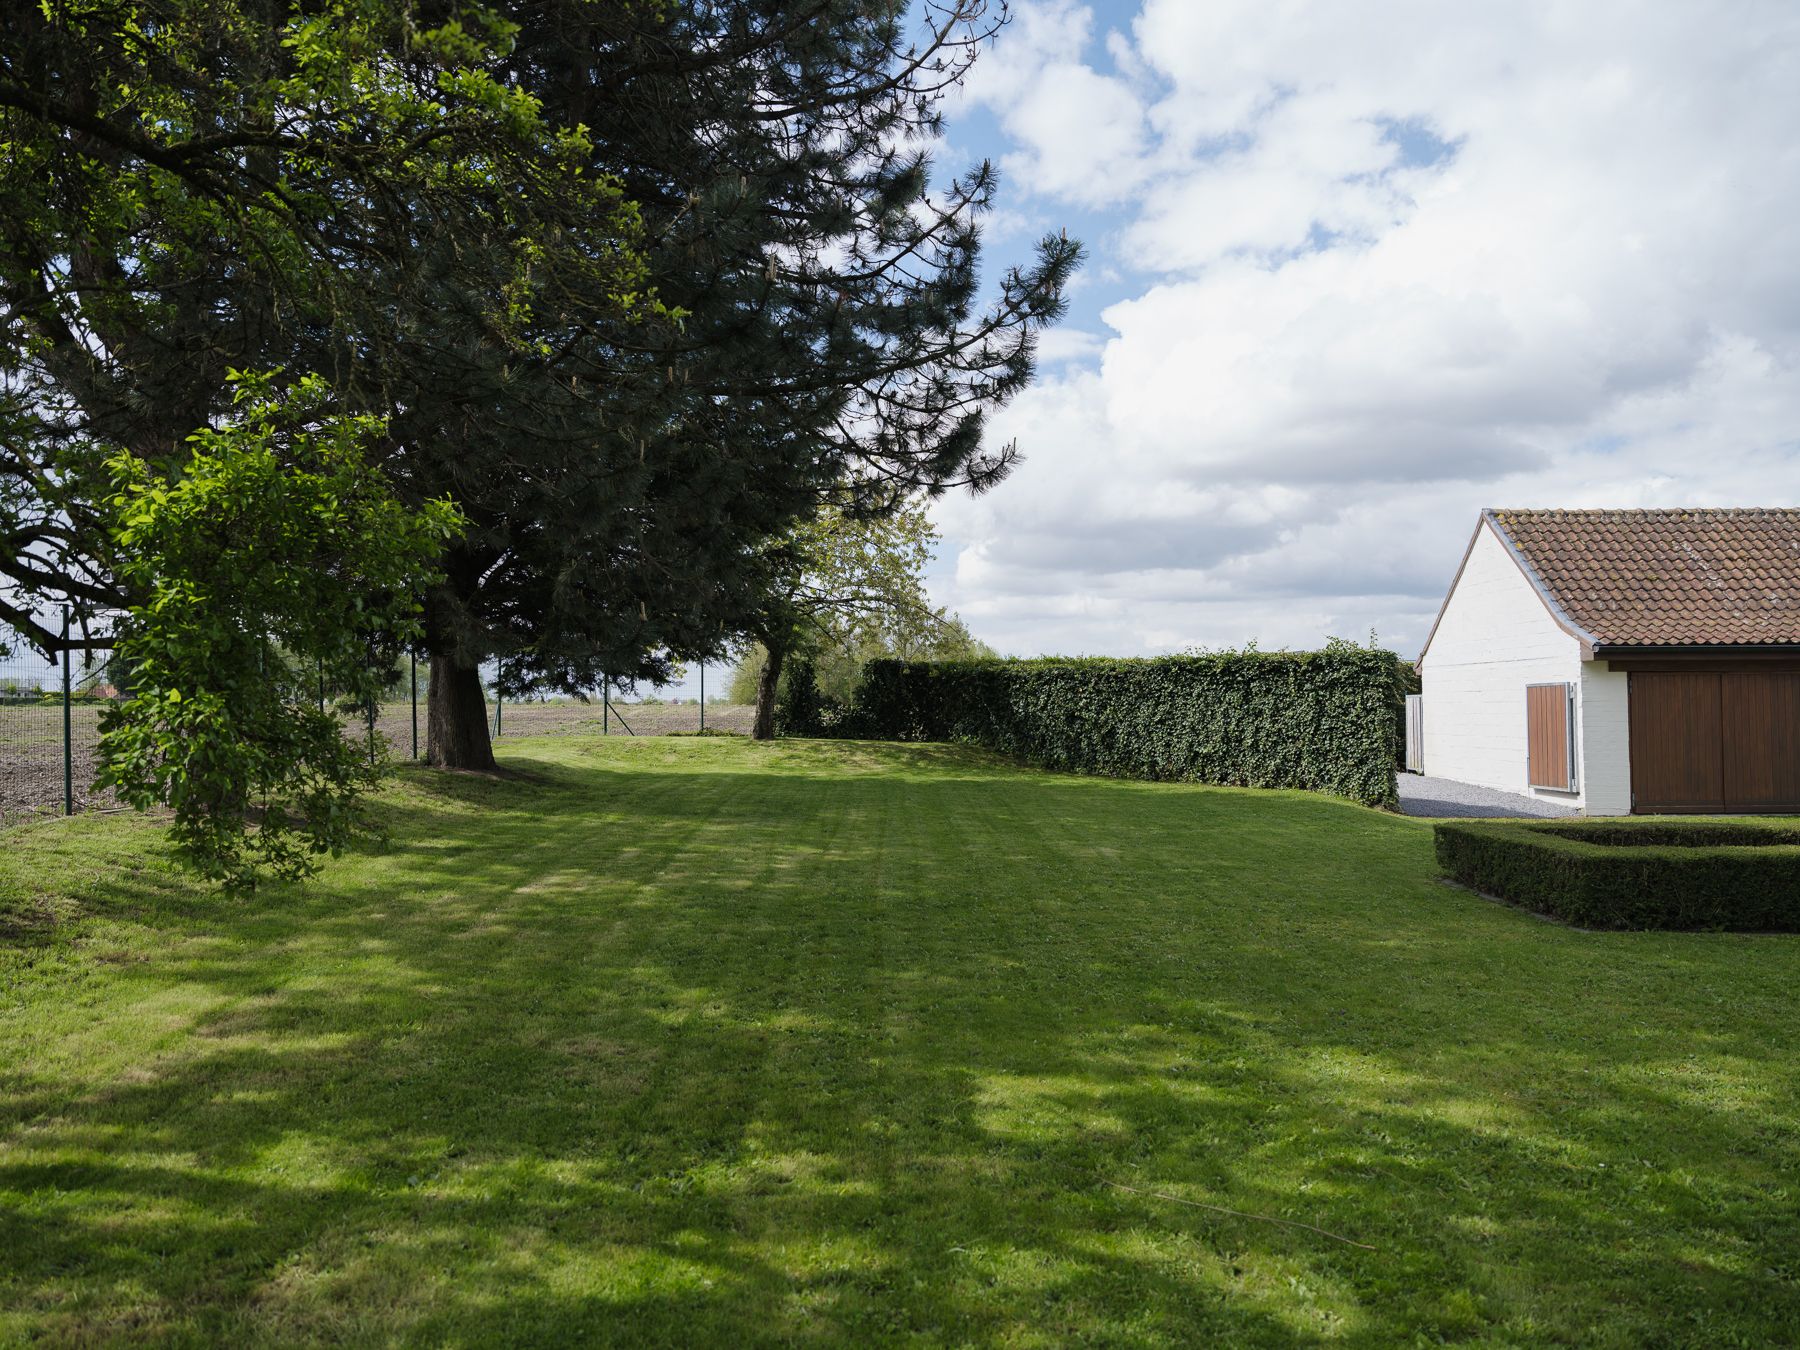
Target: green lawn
x,y
704,1041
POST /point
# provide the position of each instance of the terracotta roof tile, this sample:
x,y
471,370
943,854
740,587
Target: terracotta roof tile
x,y
1667,578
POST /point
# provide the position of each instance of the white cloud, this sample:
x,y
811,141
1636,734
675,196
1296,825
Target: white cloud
x,y
1396,262
1068,344
1077,133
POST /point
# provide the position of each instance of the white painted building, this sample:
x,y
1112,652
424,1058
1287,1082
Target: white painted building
x,y
1572,642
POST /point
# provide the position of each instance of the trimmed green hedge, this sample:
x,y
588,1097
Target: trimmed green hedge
x,y
1634,874
1322,720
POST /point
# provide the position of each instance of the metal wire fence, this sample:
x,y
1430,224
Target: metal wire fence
x,y
50,733
400,719
50,728
569,717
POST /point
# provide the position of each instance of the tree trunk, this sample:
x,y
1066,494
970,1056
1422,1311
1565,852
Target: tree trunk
x,y
766,686
456,722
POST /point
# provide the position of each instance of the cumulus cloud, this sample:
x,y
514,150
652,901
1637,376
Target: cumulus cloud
x,y
1068,344
1077,133
1389,263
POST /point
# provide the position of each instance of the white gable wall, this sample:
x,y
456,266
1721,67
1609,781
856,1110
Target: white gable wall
x,y
1494,637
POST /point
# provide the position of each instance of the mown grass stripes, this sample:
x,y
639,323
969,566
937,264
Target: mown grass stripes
x,y
712,1042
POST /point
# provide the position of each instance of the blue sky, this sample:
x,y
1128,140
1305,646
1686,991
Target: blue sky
x,y
975,133
1358,270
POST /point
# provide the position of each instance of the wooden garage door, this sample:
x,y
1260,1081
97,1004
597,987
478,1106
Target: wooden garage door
x,y
1707,742
1761,755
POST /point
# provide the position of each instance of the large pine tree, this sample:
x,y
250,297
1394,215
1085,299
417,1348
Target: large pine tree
x,y
826,335
635,285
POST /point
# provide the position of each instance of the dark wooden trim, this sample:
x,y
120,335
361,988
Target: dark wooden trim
x,y
1753,656
1787,663
1714,809
1716,659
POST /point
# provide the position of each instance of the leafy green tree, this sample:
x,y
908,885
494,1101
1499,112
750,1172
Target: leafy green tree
x,y
270,558
845,589
837,669
197,186
634,285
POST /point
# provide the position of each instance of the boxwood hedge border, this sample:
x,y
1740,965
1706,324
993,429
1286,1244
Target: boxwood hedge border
x,y
1740,875
1324,721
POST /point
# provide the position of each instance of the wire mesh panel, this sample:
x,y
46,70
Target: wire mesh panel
x,y
48,754
49,745
647,714
564,716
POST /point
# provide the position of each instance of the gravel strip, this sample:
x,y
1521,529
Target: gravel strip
x,y
1442,798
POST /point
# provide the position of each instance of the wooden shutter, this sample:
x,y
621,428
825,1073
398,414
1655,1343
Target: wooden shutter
x,y
1550,747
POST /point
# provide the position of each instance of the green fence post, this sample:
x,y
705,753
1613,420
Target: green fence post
x,y
415,703
703,696
68,727
605,707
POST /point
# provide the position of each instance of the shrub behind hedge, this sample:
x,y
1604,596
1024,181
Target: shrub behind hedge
x,y
1632,874
1317,720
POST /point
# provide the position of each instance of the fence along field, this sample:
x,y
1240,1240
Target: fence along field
x,y
394,720
49,746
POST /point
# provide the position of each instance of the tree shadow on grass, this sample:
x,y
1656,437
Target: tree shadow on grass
x,y
644,1060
